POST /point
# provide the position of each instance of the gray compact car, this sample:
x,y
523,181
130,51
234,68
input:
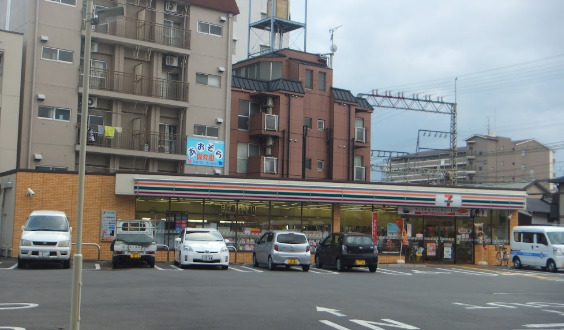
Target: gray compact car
x,y
286,248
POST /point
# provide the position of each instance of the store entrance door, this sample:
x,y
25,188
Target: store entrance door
x,y
439,240
464,248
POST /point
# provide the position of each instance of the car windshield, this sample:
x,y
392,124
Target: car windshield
x,y
291,239
556,237
203,236
359,240
47,223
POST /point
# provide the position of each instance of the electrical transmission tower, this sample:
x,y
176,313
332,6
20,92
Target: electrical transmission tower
x,y
414,103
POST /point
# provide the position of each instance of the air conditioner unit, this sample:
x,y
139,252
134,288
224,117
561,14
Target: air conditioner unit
x,y
171,60
92,102
170,6
94,47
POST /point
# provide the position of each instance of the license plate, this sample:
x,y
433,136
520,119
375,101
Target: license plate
x,y
292,261
360,262
207,257
135,255
44,254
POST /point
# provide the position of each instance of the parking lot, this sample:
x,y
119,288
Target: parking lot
x,y
245,297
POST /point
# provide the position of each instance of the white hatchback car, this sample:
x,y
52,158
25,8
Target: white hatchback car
x,y
201,246
46,236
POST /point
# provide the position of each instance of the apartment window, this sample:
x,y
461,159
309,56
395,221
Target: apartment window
x,y
171,33
320,165
55,54
209,131
208,28
308,163
523,167
208,79
321,80
309,79
246,110
234,46
167,138
359,130
307,122
523,153
64,2
359,170
502,163
244,152
53,113
1,62
93,120
321,124
270,165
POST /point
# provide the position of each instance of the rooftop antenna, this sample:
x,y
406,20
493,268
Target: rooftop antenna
x,y
333,46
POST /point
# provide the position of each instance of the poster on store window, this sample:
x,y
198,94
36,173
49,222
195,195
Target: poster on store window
x,y
108,225
431,249
447,251
205,152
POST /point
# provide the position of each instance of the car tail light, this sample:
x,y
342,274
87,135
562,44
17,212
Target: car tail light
x,y
150,252
307,248
119,252
275,247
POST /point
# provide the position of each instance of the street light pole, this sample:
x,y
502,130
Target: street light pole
x,y
77,259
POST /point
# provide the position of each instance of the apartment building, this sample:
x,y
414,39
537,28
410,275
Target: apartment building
x,y
159,84
288,121
484,159
11,45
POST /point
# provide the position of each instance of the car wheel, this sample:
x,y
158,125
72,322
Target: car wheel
x,y
305,268
318,263
66,264
114,263
517,263
224,267
551,266
152,263
255,261
340,267
21,263
270,264
372,269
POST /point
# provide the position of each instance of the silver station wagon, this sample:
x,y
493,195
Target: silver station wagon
x,y
285,248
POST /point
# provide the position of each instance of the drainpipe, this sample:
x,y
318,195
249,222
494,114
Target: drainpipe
x,y
329,138
304,147
33,87
289,144
350,152
283,152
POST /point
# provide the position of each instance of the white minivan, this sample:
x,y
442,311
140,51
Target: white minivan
x,y
538,246
46,236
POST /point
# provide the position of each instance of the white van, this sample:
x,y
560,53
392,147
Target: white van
x,y
46,236
538,246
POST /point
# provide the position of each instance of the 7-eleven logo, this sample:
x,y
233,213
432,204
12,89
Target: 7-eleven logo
x,y
448,200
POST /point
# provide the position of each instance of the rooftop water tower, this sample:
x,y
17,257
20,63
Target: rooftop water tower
x,y
278,24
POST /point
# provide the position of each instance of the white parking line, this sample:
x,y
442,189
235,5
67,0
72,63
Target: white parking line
x,y
469,272
252,269
391,272
14,266
174,267
335,325
326,271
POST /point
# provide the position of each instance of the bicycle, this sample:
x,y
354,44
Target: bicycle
x,y
502,255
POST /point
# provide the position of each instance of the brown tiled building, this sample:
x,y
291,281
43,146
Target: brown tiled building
x,y
288,121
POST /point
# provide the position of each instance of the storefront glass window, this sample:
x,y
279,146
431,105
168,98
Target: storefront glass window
x,y
499,227
317,221
356,218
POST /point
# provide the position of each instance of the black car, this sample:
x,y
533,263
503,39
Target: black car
x,y
347,250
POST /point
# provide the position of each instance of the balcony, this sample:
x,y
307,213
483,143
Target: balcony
x,y
135,140
146,31
121,82
263,124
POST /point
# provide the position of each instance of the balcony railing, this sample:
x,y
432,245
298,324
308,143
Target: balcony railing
x,y
129,139
146,31
122,82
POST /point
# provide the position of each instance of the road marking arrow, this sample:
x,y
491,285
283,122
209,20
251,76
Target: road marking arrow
x,y
330,311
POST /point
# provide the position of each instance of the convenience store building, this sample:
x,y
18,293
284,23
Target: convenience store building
x,y
450,224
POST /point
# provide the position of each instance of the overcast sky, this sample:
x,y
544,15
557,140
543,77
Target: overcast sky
x,y
508,56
